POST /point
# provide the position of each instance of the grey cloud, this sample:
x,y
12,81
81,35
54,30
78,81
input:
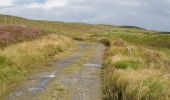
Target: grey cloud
x,y
151,14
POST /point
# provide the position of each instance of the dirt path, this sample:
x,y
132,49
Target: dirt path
x,y
79,74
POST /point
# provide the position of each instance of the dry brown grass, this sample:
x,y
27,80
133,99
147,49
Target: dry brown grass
x,y
142,84
141,75
18,60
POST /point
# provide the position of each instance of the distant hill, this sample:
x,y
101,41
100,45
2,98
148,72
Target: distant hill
x,y
71,28
132,27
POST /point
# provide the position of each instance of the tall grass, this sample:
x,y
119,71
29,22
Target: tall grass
x,y
141,75
18,60
143,84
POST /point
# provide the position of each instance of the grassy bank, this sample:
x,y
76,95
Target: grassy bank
x,y
19,60
134,71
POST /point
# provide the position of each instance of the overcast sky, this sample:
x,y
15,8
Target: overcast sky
x,y
150,14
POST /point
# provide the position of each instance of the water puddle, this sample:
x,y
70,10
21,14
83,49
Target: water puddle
x,y
34,90
52,75
36,85
92,65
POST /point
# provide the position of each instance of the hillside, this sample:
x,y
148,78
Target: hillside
x,y
135,57
84,31
52,26
71,28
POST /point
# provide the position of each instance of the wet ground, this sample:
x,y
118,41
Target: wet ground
x,y
82,82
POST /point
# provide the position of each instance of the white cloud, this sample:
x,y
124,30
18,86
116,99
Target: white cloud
x,y
6,3
47,4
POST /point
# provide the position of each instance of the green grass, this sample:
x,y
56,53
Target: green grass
x,y
125,64
155,40
70,29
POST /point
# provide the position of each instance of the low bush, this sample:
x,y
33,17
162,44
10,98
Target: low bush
x,y
105,41
10,34
78,38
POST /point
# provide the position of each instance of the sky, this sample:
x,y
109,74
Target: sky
x,y
149,14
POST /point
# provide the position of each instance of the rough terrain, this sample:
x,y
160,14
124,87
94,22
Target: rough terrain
x,y
78,73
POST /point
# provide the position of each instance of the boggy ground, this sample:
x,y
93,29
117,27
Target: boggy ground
x,y
76,77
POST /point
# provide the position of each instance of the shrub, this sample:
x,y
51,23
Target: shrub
x,y
105,41
10,34
4,61
78,38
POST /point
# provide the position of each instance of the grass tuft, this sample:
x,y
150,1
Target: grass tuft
x,y
125,64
